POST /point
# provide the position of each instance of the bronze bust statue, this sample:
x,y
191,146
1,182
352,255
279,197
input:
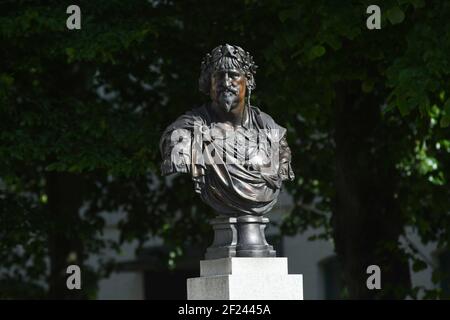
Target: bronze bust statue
x,y
237,155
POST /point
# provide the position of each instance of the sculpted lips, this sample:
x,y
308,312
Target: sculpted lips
x,y
229,91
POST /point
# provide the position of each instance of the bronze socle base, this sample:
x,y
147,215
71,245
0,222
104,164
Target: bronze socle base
x,y
241,236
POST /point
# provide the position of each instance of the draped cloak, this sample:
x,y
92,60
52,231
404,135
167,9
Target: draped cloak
x,y
232,176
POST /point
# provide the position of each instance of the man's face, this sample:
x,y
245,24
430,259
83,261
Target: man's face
x,y
228,88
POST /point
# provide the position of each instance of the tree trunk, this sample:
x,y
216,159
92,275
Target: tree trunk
x,y
64,192
366,221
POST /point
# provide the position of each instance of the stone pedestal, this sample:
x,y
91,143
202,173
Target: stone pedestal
x,y
245,279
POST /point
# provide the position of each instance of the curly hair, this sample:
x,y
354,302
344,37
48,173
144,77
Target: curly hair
x,y
226,57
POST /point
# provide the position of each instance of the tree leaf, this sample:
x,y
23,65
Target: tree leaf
x,y
395,15
317,51
419,265
445,120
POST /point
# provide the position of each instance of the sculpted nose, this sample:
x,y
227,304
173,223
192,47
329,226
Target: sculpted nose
x,y
227,80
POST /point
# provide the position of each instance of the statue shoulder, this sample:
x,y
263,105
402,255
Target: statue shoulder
x,y
180,131
265,121
201,111
189,119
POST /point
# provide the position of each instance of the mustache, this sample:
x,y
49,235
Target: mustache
x,y
229,89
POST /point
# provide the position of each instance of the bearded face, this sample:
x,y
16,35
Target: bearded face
x,y
228,88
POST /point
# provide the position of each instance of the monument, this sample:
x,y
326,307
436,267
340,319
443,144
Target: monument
x,y
238,157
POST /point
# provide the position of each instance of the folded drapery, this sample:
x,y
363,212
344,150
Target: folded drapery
x,y
235,170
